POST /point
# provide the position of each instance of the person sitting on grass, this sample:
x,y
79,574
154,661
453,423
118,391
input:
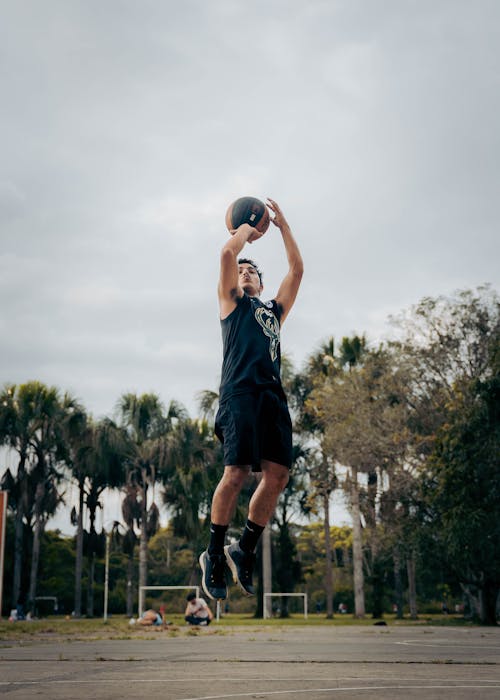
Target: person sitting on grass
x,y
149,618
197,611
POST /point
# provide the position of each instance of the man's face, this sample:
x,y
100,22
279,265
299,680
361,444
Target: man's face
x,y
249,279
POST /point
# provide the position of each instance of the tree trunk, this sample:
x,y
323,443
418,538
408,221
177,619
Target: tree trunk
x,y
412,586
143,543
130,587
79,555
143,556
90,587
328,556
372,493
398,583
18,533
37,537
472,601
357,548
377,581
489,597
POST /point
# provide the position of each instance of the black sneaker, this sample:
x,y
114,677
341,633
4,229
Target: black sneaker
x,y
213,579
241,564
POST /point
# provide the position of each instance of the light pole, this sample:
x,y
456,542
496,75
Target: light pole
x,y
266,571
108,535
106,576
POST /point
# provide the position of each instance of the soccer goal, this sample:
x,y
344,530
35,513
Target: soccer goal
x,y
285,595
143,589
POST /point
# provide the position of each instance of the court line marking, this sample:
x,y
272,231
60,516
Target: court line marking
x,y
95,681
337,689
444,643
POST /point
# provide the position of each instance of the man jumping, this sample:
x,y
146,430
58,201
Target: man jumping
x,y
253,421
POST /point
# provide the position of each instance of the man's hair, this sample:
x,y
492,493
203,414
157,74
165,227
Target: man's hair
x,y
254,265
191,596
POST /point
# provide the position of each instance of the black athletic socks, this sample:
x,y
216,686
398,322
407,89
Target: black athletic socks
x,y
250,536
248,540
217,539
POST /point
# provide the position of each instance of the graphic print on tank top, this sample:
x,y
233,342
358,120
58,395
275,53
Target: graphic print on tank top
x,y
269,324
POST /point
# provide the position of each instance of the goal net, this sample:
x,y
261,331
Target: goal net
x,y
268,596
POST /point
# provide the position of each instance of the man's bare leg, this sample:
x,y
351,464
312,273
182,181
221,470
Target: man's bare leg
x,y
240,555
263,502
224,501
226,494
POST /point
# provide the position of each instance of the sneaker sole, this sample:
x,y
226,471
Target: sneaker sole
x,y
234,573
201,561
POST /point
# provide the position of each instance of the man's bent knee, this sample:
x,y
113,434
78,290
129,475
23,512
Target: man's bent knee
x,y
275,475
234,477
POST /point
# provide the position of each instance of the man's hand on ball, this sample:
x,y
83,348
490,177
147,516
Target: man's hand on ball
x,y
279,218
249,232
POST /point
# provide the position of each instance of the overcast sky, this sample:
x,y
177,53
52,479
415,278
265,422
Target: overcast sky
x,y
127,128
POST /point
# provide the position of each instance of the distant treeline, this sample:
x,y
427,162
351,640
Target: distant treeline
x,y
409,430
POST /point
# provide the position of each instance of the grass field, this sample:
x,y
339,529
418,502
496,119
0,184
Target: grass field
x,y
118,627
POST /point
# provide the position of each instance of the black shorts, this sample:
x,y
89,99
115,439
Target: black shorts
x,y
253,427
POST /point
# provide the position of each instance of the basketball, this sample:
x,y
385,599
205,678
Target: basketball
x,y
248,210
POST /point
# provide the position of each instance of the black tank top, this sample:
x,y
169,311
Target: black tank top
x,y
251,348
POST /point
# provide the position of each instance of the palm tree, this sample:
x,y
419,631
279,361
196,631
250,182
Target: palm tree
x,y
78,438
147,424
352,350
208,402
15,432
191,469
31,419
131,513
49,414
97,460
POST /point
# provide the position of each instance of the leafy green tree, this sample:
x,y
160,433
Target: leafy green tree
x,y
311,548
444,343
57,557
449,351
364,417
464,481
336,383
321,366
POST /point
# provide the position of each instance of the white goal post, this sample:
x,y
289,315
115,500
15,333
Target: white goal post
x,y
285,595
142,589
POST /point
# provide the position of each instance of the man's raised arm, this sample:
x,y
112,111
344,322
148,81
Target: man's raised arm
x,y
290,285
229,289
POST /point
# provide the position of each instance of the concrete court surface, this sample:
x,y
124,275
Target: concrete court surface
x,y
314,663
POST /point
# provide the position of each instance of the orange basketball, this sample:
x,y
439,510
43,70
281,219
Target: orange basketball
x,y
248,210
